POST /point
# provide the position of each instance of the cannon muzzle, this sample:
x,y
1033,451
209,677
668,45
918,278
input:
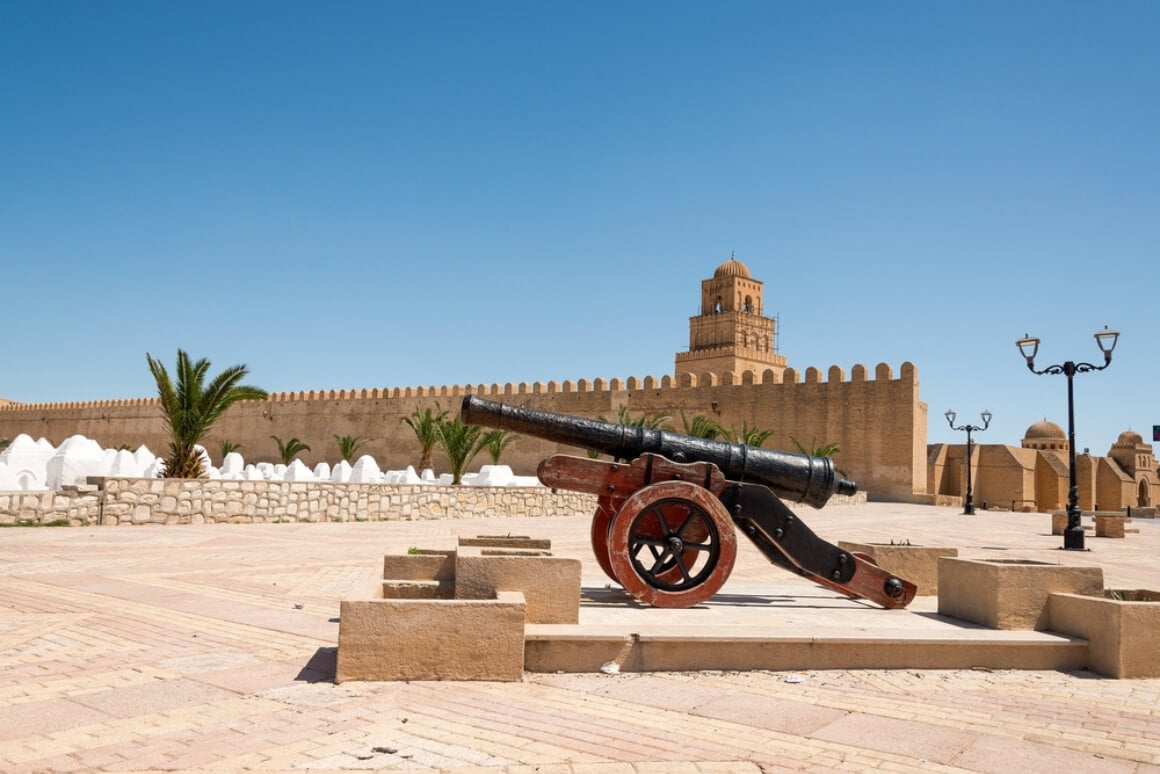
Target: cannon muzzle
x,y
797,477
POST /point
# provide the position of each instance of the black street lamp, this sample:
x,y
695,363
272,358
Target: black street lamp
x,y
1028,346
969,508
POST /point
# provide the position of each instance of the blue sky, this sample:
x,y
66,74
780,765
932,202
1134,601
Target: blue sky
x,y
347,195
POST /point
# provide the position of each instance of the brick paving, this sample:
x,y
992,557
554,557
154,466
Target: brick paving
x,y
211,648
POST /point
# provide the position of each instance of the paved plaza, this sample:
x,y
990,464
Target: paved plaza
x,y
212,648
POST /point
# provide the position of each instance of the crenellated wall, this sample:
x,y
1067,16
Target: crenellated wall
x,y
877,420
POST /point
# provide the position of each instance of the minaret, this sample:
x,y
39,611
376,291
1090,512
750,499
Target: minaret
x,y
730,333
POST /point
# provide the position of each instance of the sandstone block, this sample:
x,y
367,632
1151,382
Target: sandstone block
x,y
412,639
1009,594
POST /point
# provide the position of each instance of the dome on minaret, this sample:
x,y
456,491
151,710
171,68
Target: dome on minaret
x,y
1130,438
732,268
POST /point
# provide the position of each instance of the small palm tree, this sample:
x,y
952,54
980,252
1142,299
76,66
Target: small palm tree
x,y
495,441
652,422
426,427
750,435
460,442
819,450
229,447
190,407
348,445
701,426
290,449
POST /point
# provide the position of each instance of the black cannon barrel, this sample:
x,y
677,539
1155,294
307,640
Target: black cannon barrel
x,y
797,477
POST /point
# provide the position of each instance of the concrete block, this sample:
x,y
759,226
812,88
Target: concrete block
x,y
1122,629
522,542
1009,593
1110,525
420,566
417,589
917,564
410,639
550,584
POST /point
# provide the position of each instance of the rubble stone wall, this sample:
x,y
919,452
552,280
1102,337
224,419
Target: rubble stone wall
x,y
185,501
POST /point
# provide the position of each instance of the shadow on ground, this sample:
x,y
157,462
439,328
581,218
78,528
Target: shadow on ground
x,y
321,668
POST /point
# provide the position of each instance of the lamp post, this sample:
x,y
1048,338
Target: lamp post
x,y
1029,346
969,508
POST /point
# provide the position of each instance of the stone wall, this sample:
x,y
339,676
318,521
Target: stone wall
x,y
178,501
878,421
78,505
127,501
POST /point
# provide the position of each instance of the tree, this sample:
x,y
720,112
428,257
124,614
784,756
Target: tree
x,y
348,445
290,449
229,447
426,427
190,407
819,450
460,442
495,441
748,435
653,422
701,426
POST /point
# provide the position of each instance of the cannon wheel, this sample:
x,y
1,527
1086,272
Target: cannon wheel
x,y
600,522
672,544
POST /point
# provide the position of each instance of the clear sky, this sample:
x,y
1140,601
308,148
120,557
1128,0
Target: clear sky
x,y
348,195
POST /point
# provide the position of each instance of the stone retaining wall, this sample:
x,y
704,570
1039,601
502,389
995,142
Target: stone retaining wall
x,y
113,501
177,501
77,505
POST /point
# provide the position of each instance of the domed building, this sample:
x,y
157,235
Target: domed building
x,y
1035,476
1045,436
1135,457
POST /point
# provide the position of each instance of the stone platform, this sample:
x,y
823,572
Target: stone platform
x,y
788,625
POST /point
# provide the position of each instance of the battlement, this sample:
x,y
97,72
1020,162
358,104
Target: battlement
x,y
74,405
835,374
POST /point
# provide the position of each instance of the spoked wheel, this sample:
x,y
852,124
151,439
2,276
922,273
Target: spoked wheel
x,y
600,521
672,544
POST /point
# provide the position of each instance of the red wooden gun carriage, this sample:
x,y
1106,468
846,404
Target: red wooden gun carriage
x,y
669,507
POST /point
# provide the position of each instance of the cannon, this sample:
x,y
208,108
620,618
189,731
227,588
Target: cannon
x,y
669,507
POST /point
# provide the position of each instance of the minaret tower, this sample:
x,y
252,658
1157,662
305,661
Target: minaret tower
x,y
730,333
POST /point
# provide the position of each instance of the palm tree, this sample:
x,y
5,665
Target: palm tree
x,y
191,406
748,435
426,427
819,450
701,427
348,445
653,422
460,442
229,447
290,449
495,441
